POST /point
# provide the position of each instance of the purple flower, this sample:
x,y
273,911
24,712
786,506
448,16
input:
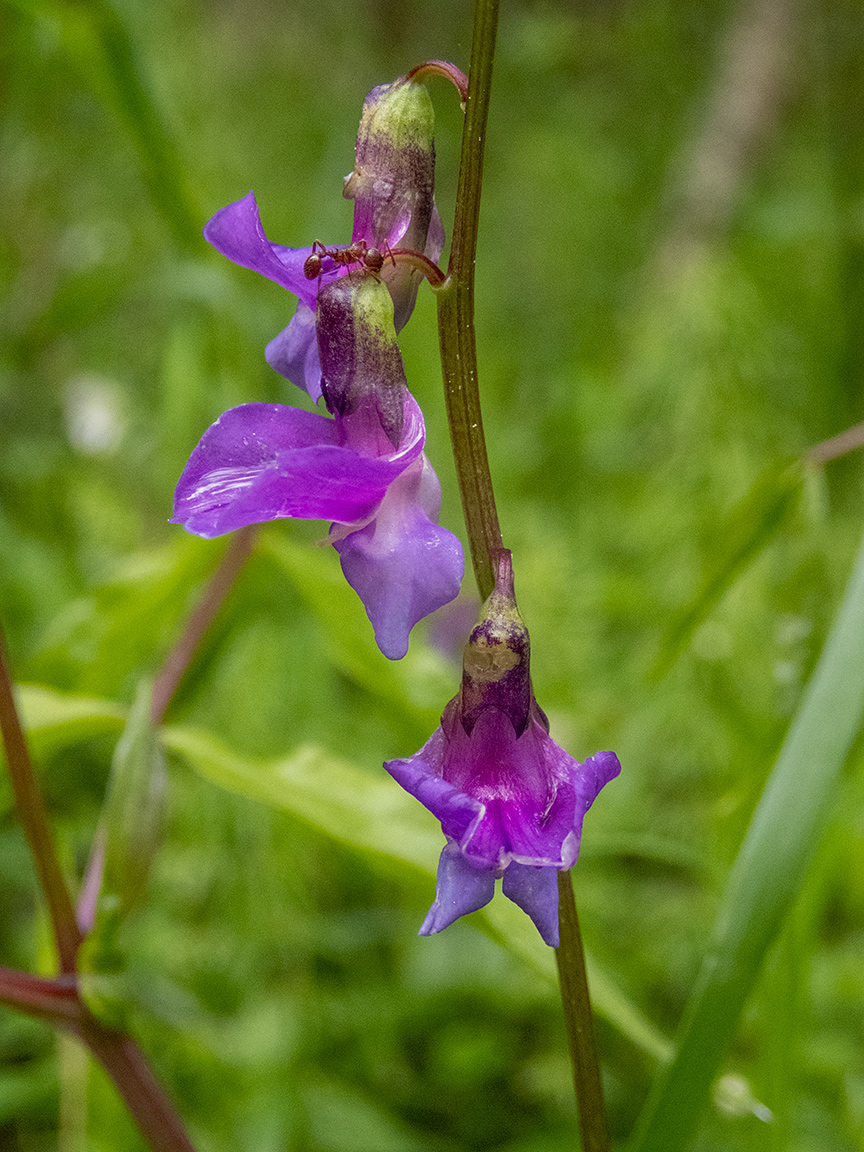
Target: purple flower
x,y
364,469
392,186
510,800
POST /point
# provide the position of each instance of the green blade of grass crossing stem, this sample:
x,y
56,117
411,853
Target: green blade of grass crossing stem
x,y
766,877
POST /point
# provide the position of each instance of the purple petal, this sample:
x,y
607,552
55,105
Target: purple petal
x,y
418,775
237,233
266,461
528,812
535,890
534,794
461,889
597,771
402,565
435,236
294,352
586,779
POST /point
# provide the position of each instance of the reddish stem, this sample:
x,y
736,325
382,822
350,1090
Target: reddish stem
x,y
53,1000
147,1103
442,68
31,810
180,656
417,260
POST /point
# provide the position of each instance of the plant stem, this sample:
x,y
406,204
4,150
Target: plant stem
x,y
31,810
55,1000
456,314
58,1001
221,582
461,388
570,958
147,1103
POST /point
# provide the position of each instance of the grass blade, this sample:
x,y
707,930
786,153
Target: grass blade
x,y
766,877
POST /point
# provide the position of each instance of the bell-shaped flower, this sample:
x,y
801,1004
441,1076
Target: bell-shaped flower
x,y
364,470
510,800
392,186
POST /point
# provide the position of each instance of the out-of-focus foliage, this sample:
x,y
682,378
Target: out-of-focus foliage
x,y
655,344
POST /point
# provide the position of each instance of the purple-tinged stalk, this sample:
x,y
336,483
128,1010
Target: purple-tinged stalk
x,y
59,1001
31,811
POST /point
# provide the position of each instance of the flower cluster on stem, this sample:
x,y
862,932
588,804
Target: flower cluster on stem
x,y
365,469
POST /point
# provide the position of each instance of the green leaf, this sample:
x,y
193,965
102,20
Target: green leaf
x,y
767,876
123,849
359,808
370,812
98,641
131,817
55,720
97,42
419,685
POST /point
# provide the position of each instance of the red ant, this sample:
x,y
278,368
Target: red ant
x,y
357,253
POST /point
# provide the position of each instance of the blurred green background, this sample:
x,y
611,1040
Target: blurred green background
x,y
670,283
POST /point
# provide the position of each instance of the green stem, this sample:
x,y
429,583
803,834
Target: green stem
x,y
456,314
459,367
578,1018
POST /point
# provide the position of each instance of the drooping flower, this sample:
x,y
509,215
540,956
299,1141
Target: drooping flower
x,y
510,800
392,186
365,469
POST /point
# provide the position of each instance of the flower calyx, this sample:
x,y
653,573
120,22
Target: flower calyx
x,y
393,185
496,660
362,372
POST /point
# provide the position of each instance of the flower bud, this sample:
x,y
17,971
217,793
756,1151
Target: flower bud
x,y
362,373
496,671
393,183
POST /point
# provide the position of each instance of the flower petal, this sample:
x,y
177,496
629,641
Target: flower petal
x,y
535,890
420,776
236,231
266,461
461,889
436,237
402,565
294,352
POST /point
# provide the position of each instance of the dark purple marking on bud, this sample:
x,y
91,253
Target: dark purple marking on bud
x,y
496,665
361,365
